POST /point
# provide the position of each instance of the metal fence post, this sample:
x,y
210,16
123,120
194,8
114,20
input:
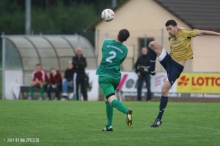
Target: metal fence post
x,y
133,56
27,17
3,66
145,40
78,41
97,47
162,35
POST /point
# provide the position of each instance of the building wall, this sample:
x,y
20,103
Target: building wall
x,y
142,18
206,51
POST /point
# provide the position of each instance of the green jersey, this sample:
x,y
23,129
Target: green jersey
x,y
113,54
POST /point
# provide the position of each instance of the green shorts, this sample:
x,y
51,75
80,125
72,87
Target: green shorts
x,y
108,85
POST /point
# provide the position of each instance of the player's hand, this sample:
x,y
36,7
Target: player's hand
x,y
53,86
138,73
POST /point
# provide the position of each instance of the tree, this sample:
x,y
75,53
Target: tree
x,y
12,18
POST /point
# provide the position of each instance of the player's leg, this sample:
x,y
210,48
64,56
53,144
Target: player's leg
x,y
154,50
119,105
42,84
116,103
115,83
139,87
57,91
163,104
84,88
75,86
70,85
49,91
31,90
109,114
65,89
109,91
164,98
103,82
147,80
165,61
122,108
173,70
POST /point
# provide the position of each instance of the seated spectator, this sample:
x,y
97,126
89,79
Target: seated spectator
x,y
39,79
55,83
68,80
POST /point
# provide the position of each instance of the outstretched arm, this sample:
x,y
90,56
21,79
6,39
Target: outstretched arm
x,y
206,32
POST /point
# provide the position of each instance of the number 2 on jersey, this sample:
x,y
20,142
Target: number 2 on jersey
x,y
109,59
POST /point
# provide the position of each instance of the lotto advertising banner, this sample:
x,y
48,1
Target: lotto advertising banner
x,y
187,86
199,83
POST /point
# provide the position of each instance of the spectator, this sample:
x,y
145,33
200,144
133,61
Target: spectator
x,y
55,83
79,64
68,80
39,79
143,60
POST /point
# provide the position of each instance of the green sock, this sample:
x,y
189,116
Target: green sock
x,y
74,97
119,106
42,92
31,91
109,113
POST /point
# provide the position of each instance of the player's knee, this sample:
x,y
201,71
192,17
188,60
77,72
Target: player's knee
x,y
152,44
165,91
111,97
41,84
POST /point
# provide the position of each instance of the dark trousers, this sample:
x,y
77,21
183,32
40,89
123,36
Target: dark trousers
x,y
142,78
80,81
57,91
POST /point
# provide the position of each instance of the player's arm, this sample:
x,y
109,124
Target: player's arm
x,y
206,32
84,63
34,76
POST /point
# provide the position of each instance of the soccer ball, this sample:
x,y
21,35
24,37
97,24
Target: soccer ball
x,y
108,15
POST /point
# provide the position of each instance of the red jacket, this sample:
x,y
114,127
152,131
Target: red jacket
x,y
41,76
55,79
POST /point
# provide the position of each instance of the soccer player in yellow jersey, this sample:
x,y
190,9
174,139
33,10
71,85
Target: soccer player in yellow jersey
x,y
173,63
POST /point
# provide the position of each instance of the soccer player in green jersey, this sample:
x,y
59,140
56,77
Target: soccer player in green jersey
x,y
114,53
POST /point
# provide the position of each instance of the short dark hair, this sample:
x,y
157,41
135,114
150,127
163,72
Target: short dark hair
x,y
171,22
38,65
123,35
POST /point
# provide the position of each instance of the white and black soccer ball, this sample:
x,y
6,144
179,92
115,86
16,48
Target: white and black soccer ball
x,y
108,15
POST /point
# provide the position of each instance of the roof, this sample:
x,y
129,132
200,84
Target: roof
x,y
200,14
92,26
23,52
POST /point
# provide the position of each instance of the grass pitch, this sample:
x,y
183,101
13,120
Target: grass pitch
x,y
58,123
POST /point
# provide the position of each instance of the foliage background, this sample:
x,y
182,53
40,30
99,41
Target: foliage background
x,y
52,16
